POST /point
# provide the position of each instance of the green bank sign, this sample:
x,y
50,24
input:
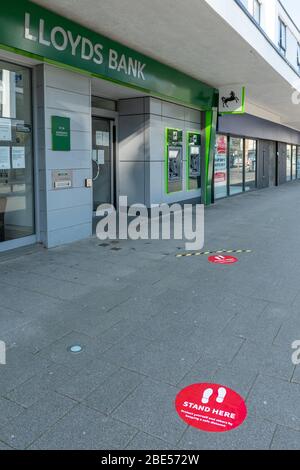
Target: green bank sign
x,y
29,29
61,133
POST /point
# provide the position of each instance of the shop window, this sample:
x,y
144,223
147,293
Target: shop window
x,y
298,162
294,162
257,11
16,155
288,162
250,164
282,36
236,165
220,167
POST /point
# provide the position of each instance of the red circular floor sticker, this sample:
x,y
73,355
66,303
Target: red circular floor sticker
x,y
211,407
220,259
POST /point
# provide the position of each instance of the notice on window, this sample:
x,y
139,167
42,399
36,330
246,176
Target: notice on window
x,y
99,139
105,139
5,130
18,157
102,139
101,157
4,158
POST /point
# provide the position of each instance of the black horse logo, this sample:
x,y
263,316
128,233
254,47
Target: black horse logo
x,y
229,99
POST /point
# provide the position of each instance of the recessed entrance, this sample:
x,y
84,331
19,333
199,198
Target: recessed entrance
x,y
103,162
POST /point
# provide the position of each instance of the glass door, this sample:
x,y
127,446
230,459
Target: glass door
x,y
16,154
294,162
289,163
102,162
236,165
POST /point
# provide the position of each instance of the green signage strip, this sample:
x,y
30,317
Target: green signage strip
x,y
211,119
61,134
29,29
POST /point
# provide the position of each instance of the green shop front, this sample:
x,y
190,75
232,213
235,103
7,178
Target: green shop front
x,y
84,120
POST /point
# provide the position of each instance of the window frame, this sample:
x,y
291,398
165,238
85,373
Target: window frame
x,y
282,40
259,5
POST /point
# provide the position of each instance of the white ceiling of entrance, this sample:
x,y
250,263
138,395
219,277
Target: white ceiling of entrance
x,y
191,37
109,90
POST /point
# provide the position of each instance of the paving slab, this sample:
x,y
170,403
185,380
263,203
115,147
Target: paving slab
x,y
150,408
286,439
275,400
253,434
142,441
34,421
86,429
265,358
114,391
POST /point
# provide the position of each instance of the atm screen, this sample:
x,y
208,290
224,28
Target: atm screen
x,y
195,150
173,154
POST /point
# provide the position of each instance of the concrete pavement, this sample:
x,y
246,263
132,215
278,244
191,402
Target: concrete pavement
x,y
150,324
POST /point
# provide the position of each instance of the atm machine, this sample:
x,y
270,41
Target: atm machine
x,y
174,153
193,160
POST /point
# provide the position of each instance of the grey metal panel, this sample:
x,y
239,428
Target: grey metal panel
x,y
192,115
157,138
272,164
155,106
66,214
263,156
68,160
132,181
68,101
282,154
132,138
131,106
173,110
251,126
69,234
66,80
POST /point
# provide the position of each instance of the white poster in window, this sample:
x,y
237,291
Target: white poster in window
x,y
5,130
99,138
102,139
4,158
101,159
105,139
18,157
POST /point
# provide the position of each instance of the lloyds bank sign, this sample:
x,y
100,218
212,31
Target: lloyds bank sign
x,y
81,47
28,29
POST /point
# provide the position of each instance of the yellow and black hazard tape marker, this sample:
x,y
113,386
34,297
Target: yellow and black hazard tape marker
x,y
205,253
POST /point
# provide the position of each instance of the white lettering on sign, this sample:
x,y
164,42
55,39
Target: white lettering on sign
x,y
28,35
207,409
62,39
42,40
74,43
59,38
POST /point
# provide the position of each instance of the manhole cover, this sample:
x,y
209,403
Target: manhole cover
x,y
75,349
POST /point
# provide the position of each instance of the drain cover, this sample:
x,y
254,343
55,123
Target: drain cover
x,y
75,349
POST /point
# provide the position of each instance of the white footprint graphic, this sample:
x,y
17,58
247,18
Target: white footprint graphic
x,y
206,395
221,395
